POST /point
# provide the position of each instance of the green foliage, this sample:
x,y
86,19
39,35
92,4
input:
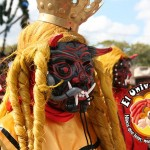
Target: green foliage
x,y
8,50
143,51
8,17
122,45
4,60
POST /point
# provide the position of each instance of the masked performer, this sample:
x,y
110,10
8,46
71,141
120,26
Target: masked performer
x,y
52,100
117,65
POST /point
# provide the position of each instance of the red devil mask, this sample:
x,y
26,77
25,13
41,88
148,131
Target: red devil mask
x,y
71,62
121,73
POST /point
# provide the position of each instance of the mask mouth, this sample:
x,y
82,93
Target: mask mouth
x,y
127,80
77,93
74,99
82,95
122,81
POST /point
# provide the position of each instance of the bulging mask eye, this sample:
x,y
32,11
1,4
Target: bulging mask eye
x,y
63,69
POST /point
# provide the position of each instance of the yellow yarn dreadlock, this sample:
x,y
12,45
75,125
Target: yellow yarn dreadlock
x,y
33,49
105,76
110,59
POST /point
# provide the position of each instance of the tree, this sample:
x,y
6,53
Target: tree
x,y
143,51
8,17
122,45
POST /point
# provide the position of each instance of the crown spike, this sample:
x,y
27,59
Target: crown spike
x,y
67,13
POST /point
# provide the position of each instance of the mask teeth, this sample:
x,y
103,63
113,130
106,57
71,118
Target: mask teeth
x,y
126,80
87,96
69,85
91,89
82,94
76,99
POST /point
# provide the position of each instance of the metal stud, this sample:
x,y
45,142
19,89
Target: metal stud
x,y
49,6
42,5
73,15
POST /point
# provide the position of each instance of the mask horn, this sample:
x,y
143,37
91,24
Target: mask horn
x,y
133,56
54,40
99,51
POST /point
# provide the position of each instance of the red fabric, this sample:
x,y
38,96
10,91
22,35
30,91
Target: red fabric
x,y
8,106
57,115
131,143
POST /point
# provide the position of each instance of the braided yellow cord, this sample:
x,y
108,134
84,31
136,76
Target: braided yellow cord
x,y
39,97
108,60
24,92
13,96
98,114
106,86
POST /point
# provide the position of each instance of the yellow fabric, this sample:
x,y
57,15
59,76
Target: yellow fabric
x,y
55,137
66,136
7,123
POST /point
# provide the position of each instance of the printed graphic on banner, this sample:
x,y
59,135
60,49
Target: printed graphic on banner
x,y
138,120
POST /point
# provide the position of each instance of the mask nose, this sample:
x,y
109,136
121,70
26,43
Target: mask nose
x,y
75,80
82,78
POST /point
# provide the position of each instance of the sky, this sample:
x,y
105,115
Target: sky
x,y
121,20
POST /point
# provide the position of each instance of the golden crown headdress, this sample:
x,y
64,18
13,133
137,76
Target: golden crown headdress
x,y
67,13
